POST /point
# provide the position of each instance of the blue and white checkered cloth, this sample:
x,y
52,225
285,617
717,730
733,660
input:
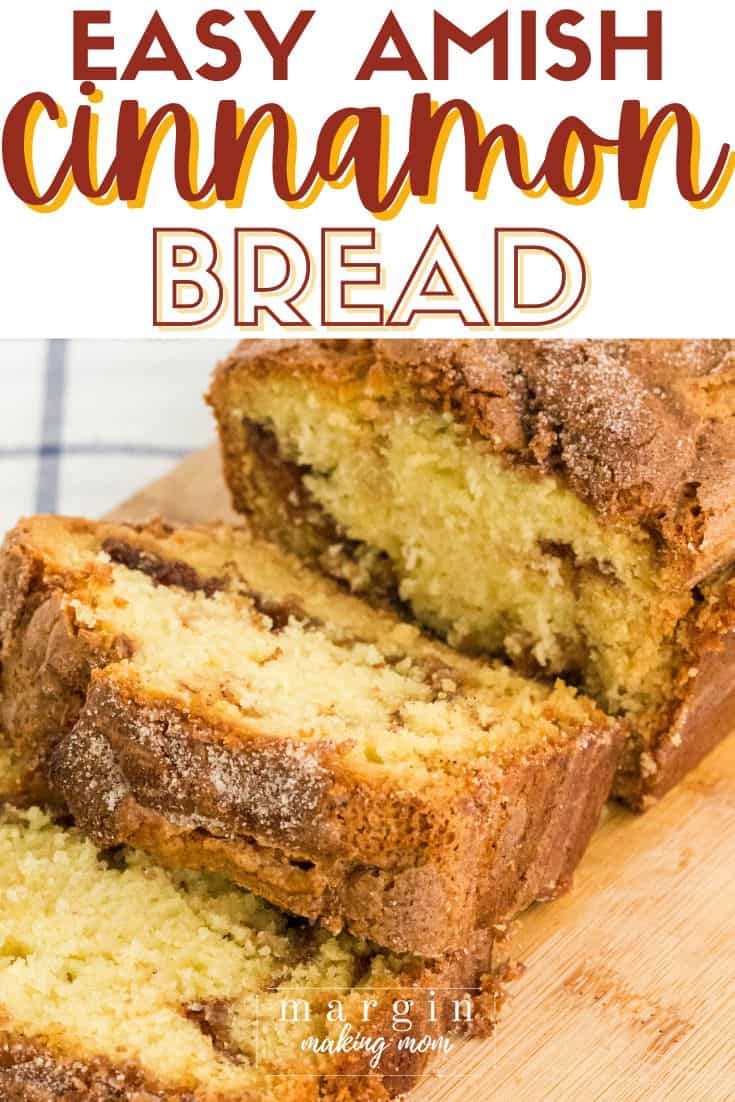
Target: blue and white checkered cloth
x,y
83,424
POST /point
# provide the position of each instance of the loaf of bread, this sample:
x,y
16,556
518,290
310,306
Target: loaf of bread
x,y
203,696
568,505
122,982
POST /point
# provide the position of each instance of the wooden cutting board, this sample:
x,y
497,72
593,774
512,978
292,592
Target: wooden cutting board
x,y
629,989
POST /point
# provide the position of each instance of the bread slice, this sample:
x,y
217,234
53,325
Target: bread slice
x,y
203,696
569,505
123,982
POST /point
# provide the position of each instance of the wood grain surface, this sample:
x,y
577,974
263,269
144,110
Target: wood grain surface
x,y
629,989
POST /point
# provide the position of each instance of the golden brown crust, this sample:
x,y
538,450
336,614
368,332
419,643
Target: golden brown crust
x,y
415,869
700,709
32,1072
411,871
704,714
46,663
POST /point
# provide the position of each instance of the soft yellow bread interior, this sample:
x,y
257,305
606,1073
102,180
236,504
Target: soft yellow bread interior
x,y
493,557
332,670
110,956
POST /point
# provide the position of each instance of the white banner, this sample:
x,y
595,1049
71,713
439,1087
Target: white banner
x,y
578,215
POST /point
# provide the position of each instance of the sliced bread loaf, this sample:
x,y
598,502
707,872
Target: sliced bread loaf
x,y
203,696
568,505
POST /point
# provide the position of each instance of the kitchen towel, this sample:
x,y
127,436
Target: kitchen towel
x,y
83,424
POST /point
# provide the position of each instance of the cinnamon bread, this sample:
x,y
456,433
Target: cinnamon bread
x,y
123,982
203,696
568,505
